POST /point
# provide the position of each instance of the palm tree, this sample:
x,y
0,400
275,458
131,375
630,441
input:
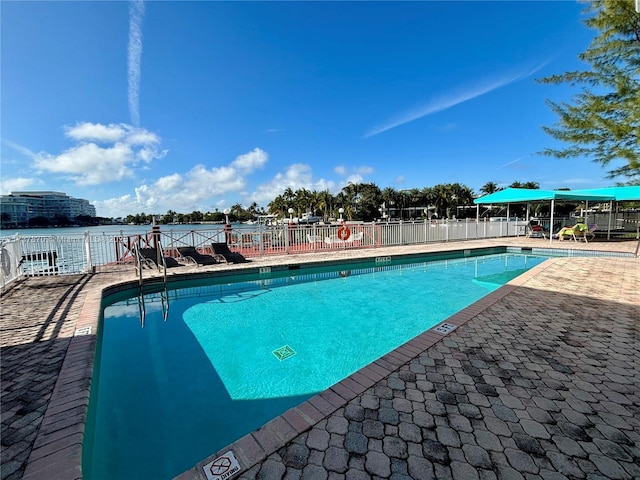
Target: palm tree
x,y
302,201
277,206
443,197
415,200
325,202
404,200
368,199
489,188
289,197
341,201
253,209
390,198
351,194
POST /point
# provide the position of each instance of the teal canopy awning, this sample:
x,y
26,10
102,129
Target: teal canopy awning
x,y
524,195
620,194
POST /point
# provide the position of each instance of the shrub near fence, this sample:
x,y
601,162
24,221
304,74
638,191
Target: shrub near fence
x,y
36,255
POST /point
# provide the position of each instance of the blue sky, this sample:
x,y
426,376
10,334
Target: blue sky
x,y
146,107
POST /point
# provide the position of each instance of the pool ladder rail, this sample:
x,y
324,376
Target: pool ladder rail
x,y
140,263
142,309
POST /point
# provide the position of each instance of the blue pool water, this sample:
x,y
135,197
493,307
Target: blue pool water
x,y
228,357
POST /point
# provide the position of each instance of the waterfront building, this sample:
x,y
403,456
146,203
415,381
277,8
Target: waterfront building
x,y
19,208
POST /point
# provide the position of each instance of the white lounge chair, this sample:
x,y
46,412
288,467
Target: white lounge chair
x,y
334,240
314,238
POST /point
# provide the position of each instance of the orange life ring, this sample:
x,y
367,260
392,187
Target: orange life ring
x,y
344,233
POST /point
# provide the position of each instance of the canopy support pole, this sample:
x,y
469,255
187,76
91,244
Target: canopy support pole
x,y
551,222
609,226
586,213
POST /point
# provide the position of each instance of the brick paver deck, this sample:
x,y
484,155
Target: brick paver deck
x,y
539,380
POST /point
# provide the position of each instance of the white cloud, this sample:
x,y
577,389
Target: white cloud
x,y
207,189
363,170
353,175
186,192
297,176
117,207
95,132
8,185
251,161
355,178
105,153
89,164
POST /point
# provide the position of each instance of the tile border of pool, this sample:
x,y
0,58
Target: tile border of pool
x,y
57,450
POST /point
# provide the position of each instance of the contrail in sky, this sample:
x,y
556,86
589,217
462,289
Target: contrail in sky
x,y
513,161
136,15
450,101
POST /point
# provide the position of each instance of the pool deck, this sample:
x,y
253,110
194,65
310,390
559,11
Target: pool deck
x,y
538,380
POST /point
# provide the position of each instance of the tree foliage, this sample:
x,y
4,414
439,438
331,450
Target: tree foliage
x,y
359,201
603,123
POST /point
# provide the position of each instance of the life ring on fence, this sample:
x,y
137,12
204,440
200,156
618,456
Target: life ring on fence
x,y
6,262
344,233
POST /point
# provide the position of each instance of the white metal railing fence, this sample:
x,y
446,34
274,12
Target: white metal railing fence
x,y
10,255
41,255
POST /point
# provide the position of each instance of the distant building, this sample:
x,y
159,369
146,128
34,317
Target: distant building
x,y
18,208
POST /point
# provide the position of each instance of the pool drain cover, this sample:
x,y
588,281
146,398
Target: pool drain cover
x,y
283,353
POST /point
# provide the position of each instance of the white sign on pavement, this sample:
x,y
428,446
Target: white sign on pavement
x,y
224,467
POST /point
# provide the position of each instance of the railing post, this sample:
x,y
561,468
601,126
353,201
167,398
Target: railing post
x,y
287,236
426,229
87,249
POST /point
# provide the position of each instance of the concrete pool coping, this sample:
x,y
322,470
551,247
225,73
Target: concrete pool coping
x,y
57,449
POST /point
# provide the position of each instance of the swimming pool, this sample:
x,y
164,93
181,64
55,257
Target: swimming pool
x,y
234,352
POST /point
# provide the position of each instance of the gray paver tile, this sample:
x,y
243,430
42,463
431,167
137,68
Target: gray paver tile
x,y
574,382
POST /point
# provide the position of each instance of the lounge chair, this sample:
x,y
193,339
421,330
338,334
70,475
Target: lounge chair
x,y
356,237
149,257
580,231
535,230
334,240
314,238
231,257
585,234
192,255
